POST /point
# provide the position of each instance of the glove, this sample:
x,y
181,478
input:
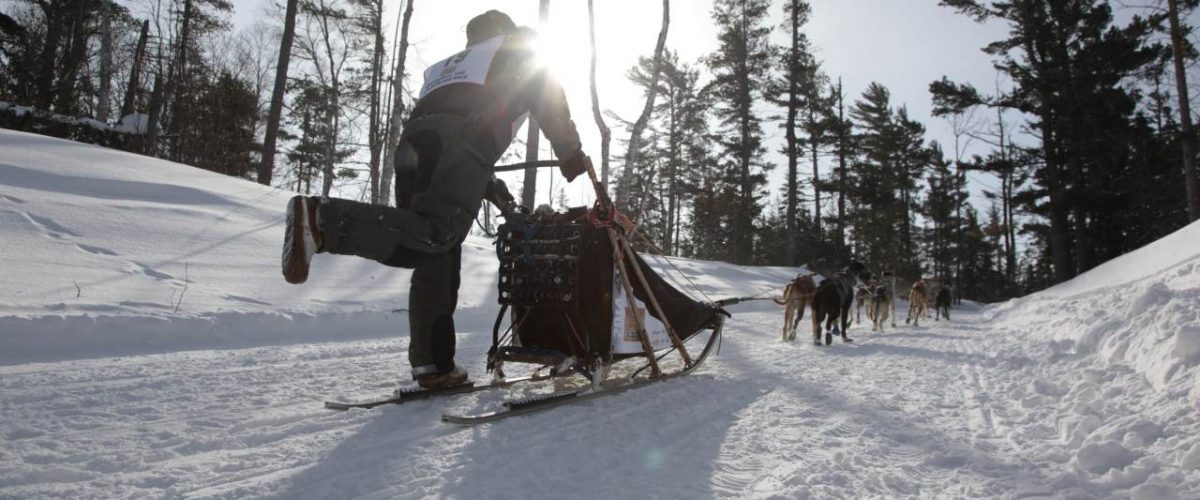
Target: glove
x,y
497,194
574,166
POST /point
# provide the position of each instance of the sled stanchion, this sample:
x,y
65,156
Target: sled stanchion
x,y
620,256
650,297
643,334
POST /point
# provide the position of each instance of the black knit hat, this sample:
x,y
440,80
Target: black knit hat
x,y
490,24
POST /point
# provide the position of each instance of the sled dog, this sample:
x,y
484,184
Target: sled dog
x,y
796,297
941,303
881,307
918,302
833,300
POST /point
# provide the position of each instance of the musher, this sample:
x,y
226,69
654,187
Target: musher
x,y
467,114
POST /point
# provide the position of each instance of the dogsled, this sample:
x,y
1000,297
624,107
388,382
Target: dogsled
x,y
577,301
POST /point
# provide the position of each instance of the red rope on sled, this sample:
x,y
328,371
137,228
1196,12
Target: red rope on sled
x,y
608,219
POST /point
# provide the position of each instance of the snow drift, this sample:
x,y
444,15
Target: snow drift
x,y
1140,310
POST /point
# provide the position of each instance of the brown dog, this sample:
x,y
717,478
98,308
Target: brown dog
x,y
797,295
918,302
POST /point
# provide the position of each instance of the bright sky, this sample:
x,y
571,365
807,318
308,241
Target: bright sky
x,y
902,44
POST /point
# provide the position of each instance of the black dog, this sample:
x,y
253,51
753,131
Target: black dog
x,y
941,303
833,300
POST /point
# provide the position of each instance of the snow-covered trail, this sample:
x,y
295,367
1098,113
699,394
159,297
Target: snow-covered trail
x,y
149,349
913,412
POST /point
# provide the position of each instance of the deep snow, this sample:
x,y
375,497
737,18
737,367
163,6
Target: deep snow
x,y
150,348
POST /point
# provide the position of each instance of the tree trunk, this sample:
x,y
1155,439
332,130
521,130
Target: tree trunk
x,y
129,106
74,55
106,58
843,146
793,152
175,84
605,132
1188,138
814,142
395,125
743,245
156,103
53,11
529,187
374,141
635,134
1060,251
675,150
267,167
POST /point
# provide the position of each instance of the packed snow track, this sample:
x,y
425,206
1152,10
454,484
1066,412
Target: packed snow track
x,y
149,348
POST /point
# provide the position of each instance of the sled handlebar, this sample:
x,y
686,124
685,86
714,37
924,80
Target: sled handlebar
x,y
526,164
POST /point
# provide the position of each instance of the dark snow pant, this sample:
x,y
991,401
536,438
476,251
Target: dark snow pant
x,y
440,182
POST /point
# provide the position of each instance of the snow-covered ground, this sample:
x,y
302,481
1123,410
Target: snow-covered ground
x,y
150,348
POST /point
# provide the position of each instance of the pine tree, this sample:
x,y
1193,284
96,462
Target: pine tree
x,y
944,196
841,130
1068,63
877,214
793,87
741,67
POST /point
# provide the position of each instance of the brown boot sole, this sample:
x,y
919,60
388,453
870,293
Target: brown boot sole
x,y
295,253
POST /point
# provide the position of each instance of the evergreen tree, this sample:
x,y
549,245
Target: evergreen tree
x,y
791,90
677,123
946,193
876,211
222,135
1069,64
842,139
740,69
312,106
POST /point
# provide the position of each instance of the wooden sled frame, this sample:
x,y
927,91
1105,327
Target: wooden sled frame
x,y
629,272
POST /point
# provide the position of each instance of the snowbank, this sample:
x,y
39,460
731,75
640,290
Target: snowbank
x,y
1141,310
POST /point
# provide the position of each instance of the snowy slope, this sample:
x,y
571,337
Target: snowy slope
x,y
1141,310
121,389
120,254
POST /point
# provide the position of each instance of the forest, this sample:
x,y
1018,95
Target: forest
x,y
1090,147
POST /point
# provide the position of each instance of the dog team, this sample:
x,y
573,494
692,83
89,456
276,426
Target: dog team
x,y
832,299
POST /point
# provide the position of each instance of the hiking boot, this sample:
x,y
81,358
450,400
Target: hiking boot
x,y
457,376
302,238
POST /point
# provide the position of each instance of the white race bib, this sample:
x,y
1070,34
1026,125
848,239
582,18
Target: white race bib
x,y
468,66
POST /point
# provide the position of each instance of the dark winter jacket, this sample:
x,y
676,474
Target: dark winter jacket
x,y
516,85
